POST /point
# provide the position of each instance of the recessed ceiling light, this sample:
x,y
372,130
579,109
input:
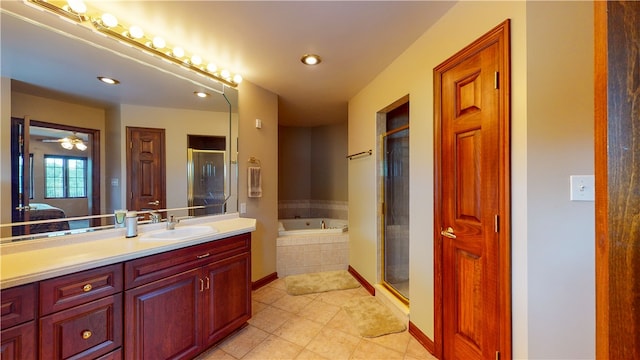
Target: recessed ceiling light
x,y
311,59
108,80
201,94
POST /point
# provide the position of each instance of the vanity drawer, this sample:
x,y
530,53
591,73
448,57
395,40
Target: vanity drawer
x,y
145,270
83,332
18,305
74,289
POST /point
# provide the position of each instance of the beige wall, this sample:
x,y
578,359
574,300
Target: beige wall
x,y
312,163
560,233
552,118
294,163
258,103
5,155
178,123
328,162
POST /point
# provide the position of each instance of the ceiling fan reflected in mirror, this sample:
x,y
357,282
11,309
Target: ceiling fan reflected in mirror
x,y
69,142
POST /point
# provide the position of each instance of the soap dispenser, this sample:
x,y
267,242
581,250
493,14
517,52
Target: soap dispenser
x,y
131,223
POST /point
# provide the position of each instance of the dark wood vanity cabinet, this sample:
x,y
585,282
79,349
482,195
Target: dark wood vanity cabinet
x,y
81,314
178,304
172,305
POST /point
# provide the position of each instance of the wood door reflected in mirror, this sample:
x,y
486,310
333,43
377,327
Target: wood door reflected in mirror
x,y
58,177
146,168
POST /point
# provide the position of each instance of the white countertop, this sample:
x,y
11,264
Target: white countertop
x,y
34,260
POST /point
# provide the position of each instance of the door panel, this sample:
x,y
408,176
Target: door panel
x,y
471,201
146,181
468,261
20,178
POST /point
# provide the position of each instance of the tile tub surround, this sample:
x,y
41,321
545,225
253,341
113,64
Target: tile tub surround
x,y
290,209
311,253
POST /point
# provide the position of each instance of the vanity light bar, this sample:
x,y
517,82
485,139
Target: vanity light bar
x,y
121,33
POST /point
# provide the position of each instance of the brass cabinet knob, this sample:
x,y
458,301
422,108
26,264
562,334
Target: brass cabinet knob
x,y
86,334
87,288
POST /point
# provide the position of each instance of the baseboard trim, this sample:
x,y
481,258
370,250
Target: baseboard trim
x,y
365,284
264,281
422,338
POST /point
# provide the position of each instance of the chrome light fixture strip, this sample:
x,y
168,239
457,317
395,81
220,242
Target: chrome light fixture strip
x,y
96,23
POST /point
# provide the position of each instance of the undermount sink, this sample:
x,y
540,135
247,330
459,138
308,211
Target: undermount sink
x,y
179,233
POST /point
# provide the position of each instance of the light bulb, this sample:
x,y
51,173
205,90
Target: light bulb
x,y
77,6
225,73
237,79
178,52
136,32
212,68
81,146
66,143
196,60
311,59
109,20
158,42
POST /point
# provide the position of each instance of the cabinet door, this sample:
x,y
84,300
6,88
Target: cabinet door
x,y
161,318
18,305
82,332
19,342
227,297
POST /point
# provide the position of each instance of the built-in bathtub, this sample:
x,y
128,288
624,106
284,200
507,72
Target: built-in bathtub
x,y
303,246
287,227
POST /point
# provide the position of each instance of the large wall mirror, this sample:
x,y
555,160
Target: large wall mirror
x,y
65,136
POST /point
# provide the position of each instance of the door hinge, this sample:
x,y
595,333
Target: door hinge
x,y
497,355
496,80
496,223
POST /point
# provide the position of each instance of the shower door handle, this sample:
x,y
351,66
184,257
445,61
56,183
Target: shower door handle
x,y
448,233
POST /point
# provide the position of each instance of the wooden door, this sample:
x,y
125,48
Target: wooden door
x,y
472,197
146,179
228,297
20,176
162,319
19,342
617,170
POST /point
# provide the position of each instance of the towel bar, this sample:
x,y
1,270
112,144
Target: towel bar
x,y
363,153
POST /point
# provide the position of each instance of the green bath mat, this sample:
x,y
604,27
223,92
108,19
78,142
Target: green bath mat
x,y
372,318
319,282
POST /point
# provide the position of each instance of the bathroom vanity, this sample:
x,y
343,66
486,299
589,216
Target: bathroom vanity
x,y
108,297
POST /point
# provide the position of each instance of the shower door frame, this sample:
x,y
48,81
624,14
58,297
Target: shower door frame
x,y
383,133
191,178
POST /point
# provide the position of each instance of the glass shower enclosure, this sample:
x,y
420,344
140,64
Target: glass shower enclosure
x,y
206,179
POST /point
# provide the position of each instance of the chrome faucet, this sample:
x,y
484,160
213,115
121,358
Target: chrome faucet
x,y
155,217
171,222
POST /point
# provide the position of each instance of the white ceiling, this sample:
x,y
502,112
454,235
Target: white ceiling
x,y
262,40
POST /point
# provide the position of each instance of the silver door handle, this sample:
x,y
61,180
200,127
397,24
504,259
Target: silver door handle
x,y
157,202
448,233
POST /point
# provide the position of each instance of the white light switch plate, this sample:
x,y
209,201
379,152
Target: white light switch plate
x,y
582,188
243,208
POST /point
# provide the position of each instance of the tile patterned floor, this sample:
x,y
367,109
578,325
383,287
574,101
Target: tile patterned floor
x,y
309,327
